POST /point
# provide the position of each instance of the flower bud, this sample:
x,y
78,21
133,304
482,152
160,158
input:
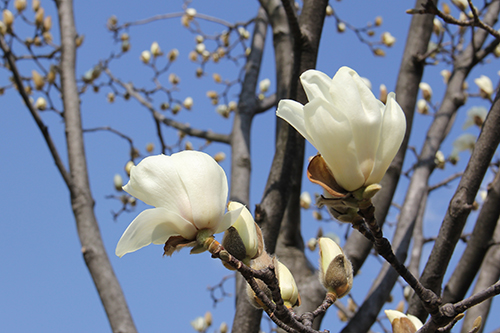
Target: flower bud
x,y
188,146
8,18
150,147
39,15
38,80
383,93
176,108
35,5
388,39
188,103
439,160
312,243
378,21
155,49
437,27
217,78
475,116
41,103
79,40
190,13
264,85
244,238
20,5
422,106
402,323
128,166
379,52
110,97
426,91
446,9
341,27
223,110
335,268
208,318
145,56
461,4
118,182
125,46
199,324
219,157
232,106
223,328
47,23
3,30
174,79
305,200
288,287
173,54
329,10
112,22
485,86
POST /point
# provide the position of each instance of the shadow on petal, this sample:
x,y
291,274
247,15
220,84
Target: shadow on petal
x,y
319,173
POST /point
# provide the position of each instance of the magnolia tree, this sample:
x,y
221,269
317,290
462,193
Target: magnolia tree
x,y
360,142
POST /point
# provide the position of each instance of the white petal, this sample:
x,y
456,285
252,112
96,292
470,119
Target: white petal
x,y
418,324
205,183
391,135
156,182
153,226
316,84
394,314
245,225
293,113
228,219
328,250
334,140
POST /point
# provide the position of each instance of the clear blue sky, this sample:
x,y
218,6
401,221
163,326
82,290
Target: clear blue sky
x,y
44,283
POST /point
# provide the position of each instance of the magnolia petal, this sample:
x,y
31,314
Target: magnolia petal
x,y
316,84
245,225
228,219
328,250
391,135
155,226
319,173
418,324
293,113
205,184
334,139
156,182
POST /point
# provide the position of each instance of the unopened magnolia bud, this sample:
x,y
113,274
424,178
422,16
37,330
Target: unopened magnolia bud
x,y
51,75
212,94
150,147
422,106
35,5
329,10
378,21
219,157
485,86
20,5
217,78
288,287
341,27
379,52
174,79
223,328
223,110
41,103
37,41
79,40
439,160
191,13
446,75
125,46
243,32
225,38
188,146
383,93
208,318
176,108
164,106
317,215
371,190
199,39
155,49
118,182
335,268
3,31
199,324
8,18
200,48
145,56
110,97
264,85
446,9
312,243
437,27
47,37
39,15
112,21
128,166
47,23
232,106
426,91
124,36
173,54
305,200
199,72
461,4
38,80
188,103
342,316
388,39
402,323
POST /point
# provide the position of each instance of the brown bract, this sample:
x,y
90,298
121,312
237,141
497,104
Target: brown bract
x,y
175,243
319,173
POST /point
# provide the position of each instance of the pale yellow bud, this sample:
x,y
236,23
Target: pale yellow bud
x,y
342,316
212,94
173,54
79,40
208,318
403,323
112,22
125,46
124,36
264,85
199,324
200,48
193,56
379,52
485,86
305,200
446,74
370,33
38,80
437,26
51,76
461,4
8,18
131,201
329,10
221,52
335,268
35,5
188,146
190,13
41,103
3,30
496,51
288,287
205,55
312,243
446,9
188,103
232,106
47,37
439,160
223,328
174,79
199,39
422,106
128,166
155,49
341,27
185,20
39,15
383,93
47,23
176,108
199,72
215,57
111,97
388,39
426,91
217,78
317,215
145,56
378,21
223,110
243,32
219,157
118,182
225,38
150,147
164,106
20,5
248,50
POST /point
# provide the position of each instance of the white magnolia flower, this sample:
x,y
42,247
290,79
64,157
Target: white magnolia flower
x,y
475,116
426,91
485,86
356,134
189,193
403,323
388,39
463,142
